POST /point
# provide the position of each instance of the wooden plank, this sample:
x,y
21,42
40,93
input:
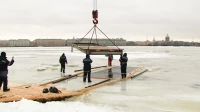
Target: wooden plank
x,y
86,44
61,79
104,53
100,51
75,46
97,50
137,74
35,92
91,68
98,83
71,76
112,81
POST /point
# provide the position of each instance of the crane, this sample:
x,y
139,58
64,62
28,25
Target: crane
x,y
95,48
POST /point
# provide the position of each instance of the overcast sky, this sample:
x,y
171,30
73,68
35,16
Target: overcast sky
x,y
128,19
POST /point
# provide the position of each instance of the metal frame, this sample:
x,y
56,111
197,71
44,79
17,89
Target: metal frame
x,y
106,51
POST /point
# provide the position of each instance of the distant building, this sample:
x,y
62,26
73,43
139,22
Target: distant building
x,y
4,43
70,41
104,42
167,38
50,42
120,42
33,44
140,43
19,43
154,39
130,43
111,42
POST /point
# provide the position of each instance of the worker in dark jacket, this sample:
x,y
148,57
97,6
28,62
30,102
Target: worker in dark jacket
x,y
87,68
123,62
62,61
4,63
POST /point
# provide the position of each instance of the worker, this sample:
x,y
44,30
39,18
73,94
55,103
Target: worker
x,y
87,68
110,58
123,62
4,63
62,61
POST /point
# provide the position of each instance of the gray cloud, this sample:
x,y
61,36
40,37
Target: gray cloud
x,y
130,19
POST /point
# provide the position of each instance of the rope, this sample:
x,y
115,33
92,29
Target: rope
x,y
108,38
91,39
85,35
96,34
94,31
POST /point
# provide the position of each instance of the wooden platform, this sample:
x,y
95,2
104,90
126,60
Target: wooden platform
x,y
94,49
35,92
112,73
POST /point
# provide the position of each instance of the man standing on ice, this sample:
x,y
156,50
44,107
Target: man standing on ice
x,y
62,61
87,68
123,62
4,63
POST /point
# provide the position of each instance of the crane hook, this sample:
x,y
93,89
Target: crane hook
x,y
95,16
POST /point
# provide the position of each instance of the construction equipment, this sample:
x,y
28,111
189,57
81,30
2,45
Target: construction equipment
x,y
94,48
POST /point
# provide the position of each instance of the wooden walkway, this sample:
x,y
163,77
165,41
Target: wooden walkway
x,y
35,92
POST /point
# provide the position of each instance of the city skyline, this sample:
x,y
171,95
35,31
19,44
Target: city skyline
x,y
104,42
132,20
147,39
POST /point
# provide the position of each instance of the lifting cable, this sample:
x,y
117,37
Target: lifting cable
x,y
96,35
108,38
91,39
95,22
85,35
